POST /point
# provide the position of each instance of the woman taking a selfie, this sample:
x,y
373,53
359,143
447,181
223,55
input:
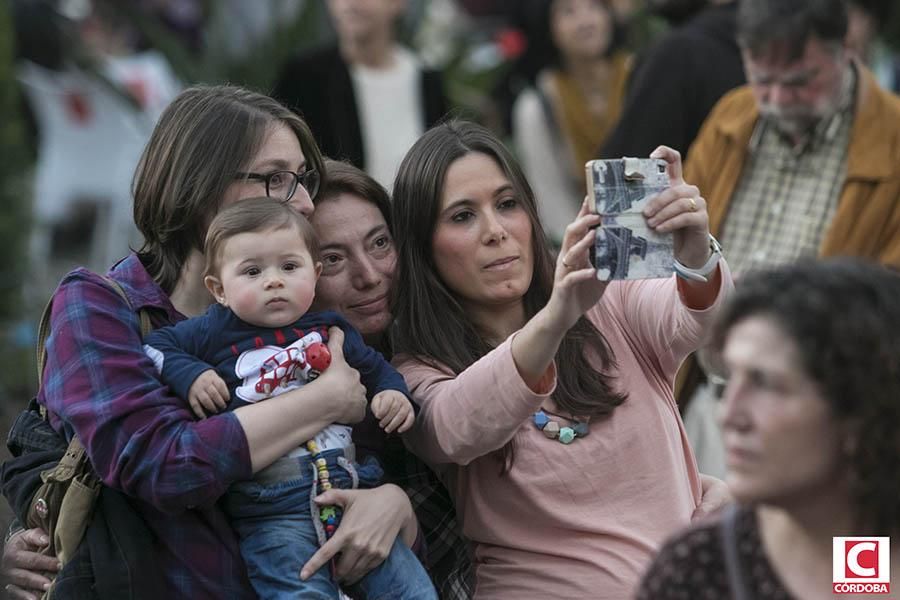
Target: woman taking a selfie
x,y
495,338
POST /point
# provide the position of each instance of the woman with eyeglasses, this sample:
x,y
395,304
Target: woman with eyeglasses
x,y
212,147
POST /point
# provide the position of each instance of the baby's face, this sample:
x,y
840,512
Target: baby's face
x,y
268,278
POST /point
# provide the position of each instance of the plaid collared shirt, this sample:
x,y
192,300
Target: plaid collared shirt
x,y
787,195
140,437
447,552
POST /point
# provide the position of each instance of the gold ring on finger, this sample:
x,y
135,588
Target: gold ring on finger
x,y
692,205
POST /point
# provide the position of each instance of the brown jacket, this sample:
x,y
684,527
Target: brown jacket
x,y
867,220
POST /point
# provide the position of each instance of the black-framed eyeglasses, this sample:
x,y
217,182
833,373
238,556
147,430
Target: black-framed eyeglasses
x,y
281,185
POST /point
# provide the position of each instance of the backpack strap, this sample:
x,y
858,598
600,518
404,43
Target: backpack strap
x,y
65,501
44,331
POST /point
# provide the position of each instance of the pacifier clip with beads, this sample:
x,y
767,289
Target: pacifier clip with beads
x,y
329,515
552,429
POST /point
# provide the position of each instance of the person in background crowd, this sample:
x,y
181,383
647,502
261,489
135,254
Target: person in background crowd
x,y
368,98
527,369
798,163
87,84
576,99
809,415
674,12
867,19
677,81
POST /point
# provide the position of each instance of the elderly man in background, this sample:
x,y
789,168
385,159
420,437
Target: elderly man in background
x,y
803,161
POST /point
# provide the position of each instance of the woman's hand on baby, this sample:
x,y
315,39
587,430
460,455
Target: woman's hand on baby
x,y
208,394
371,521
348,394
393,410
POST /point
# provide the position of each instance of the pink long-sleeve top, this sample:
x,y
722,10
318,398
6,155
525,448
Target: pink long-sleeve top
x,y
569,521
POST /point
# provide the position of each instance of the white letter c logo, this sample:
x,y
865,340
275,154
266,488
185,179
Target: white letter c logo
x,y
853,559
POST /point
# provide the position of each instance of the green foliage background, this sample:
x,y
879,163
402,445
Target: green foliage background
x,y
15,360
13,193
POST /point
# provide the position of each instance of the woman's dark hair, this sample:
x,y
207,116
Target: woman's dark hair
x,y
431,324
203,138
844,317
762,23
344,178
536,18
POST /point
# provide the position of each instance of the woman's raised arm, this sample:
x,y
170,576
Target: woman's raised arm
x,y
480,410
575,290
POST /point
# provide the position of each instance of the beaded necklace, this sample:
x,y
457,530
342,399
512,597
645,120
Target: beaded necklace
x,y
552,429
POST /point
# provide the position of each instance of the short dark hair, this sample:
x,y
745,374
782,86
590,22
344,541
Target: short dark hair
x,y
843,315
345,178
205,136
254,215
761,23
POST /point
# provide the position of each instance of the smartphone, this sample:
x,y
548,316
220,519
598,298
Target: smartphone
x,y
625,247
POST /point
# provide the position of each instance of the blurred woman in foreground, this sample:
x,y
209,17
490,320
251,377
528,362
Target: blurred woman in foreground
x,y
810,421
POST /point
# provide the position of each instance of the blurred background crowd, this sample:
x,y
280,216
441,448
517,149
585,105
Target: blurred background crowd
x,y
82,83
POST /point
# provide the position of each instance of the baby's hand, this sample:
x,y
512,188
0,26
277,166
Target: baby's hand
x,y
208,394
393,411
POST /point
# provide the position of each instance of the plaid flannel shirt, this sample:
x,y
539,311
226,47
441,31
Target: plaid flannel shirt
x,y
140,438
787,194
447,551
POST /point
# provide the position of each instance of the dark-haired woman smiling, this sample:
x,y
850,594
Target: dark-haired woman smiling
x,y
352,222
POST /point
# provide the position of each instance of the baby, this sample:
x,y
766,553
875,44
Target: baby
x,y
257,341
